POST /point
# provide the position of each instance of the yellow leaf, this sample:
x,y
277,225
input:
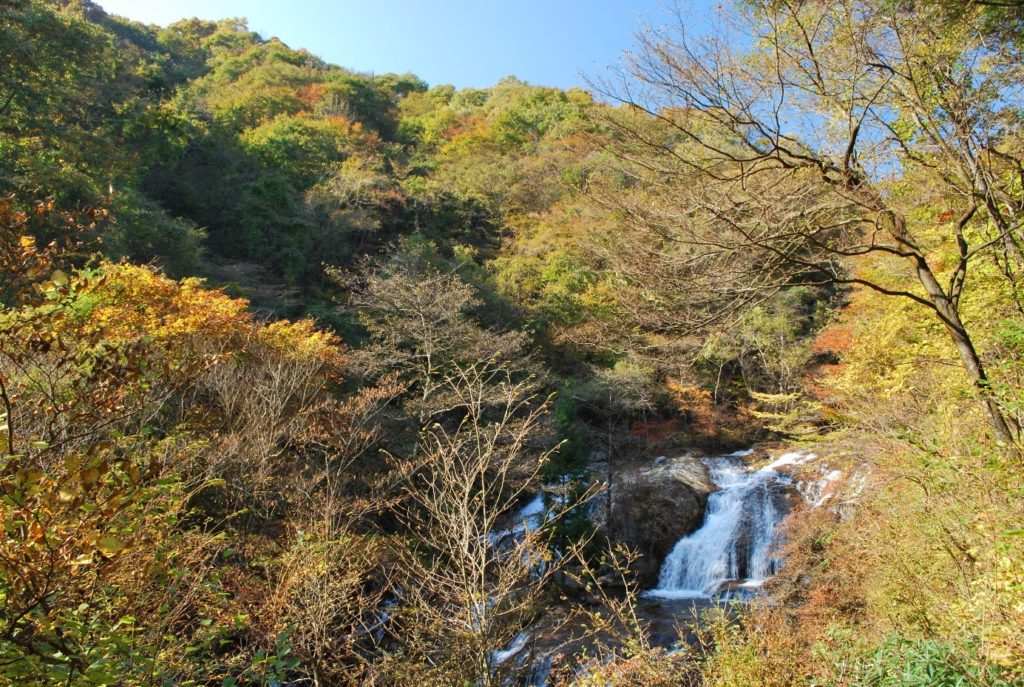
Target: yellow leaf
x,y
89,476
109,545
28,477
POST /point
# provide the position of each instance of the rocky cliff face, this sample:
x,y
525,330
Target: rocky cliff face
x,y
654,505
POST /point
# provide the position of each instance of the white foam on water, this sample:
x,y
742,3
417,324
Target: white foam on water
x,y
735,542
517,644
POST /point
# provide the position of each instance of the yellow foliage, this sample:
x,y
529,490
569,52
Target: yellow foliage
x,y
111,440
936,531
640,668
300,340
891,341
127,301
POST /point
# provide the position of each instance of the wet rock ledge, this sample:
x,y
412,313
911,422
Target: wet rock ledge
x,y
653,505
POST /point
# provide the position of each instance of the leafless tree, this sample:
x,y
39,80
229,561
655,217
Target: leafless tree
x,y
804,136
421,324
330,581
470,586
268,397
617,396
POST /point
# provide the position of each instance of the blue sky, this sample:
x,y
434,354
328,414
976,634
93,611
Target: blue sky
x,y
462,42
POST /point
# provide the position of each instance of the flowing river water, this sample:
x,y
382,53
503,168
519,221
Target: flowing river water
x,y
733,549
728,558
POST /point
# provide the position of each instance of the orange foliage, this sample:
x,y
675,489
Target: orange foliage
x,y
343,123
657,430
697,405
833,341
836,338
311,94
466,125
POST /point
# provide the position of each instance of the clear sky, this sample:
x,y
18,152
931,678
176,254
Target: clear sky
x,y
461,42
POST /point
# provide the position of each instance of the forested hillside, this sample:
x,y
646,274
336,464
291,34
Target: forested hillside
x,y
310,376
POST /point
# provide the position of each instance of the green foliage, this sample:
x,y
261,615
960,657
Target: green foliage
x,y
299,147
268,667
1009,384
108,653
144,232
905,662
62,61
525,116
248,88
768,350
235,148
158,133
570,458
58,66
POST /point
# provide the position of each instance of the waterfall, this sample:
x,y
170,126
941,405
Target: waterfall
x,y
734,545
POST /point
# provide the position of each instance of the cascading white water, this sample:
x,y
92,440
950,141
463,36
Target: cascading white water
x,y
734,544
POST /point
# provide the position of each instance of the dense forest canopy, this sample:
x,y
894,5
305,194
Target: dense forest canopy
x,y
285,348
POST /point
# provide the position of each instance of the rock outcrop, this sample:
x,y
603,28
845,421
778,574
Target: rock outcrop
x,y
654,505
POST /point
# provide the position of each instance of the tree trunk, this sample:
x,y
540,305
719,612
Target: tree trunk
x,y
947,312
